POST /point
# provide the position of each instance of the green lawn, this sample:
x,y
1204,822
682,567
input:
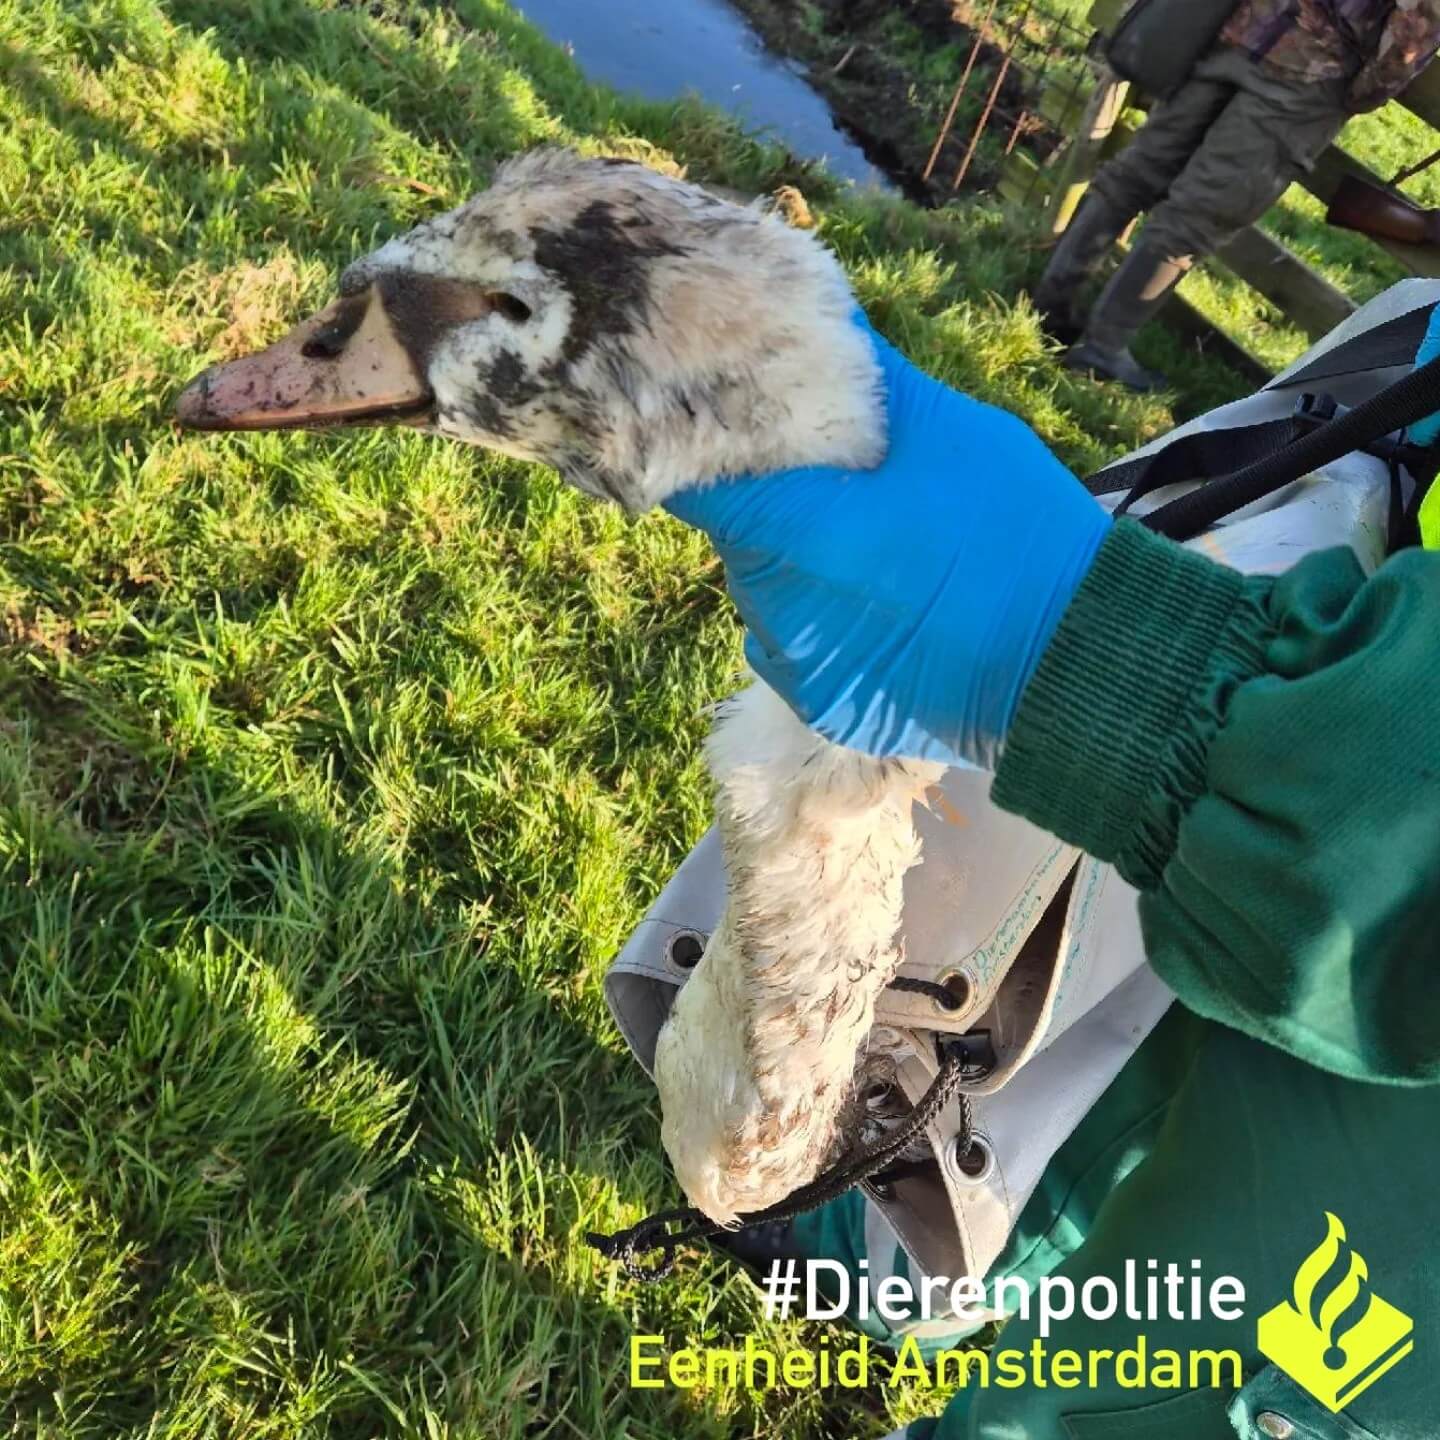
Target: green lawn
x,y
333,769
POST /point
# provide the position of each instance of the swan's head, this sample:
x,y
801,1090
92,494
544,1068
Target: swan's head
x,y
631,330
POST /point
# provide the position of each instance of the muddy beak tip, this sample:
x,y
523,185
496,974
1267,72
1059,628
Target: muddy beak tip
x,y
344,366
192,403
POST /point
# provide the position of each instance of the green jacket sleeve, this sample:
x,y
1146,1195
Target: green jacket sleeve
x,y
1261,758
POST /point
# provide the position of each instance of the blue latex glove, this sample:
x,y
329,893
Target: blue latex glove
x,y
1423,432
902,610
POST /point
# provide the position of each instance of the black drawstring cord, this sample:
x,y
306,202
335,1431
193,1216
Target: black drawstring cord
x,y
945,998
655,1232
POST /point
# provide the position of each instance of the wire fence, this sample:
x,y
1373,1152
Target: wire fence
x,y
1024,81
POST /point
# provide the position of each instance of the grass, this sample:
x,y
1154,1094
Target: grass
x,y
334,768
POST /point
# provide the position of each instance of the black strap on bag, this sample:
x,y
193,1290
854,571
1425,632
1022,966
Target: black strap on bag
x,y
1205,453
1157,43
1385,346
1247,463
1198,454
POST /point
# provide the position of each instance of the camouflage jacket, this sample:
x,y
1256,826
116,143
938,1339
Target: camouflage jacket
x,y
1381,44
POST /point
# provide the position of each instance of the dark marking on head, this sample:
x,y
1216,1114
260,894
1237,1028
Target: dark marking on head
x,y
486,230
606,267
507,378
482,409
423,309
502,387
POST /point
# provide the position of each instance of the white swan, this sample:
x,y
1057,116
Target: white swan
x,y
641,336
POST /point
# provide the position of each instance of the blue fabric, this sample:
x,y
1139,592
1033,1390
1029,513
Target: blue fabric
x,y
901,610
1423,432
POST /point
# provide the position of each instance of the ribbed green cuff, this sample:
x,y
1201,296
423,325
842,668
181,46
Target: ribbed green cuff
x,y
1102,725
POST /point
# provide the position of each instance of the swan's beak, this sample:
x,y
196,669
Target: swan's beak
x,y
344,366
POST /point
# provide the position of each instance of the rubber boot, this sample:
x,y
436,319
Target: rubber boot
x,y
1094,229
1136,291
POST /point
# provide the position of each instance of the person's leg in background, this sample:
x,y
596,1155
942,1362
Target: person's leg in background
x,y
1137,179
1270,132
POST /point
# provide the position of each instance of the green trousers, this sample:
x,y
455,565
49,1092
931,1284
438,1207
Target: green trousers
x,y
1217,154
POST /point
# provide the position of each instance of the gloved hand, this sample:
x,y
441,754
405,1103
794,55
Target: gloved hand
x,y
902,610
1424,432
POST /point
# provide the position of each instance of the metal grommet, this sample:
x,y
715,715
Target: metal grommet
x,y
684,949
1274,1425
974,1164
960,986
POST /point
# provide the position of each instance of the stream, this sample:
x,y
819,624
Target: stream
x,y
664,48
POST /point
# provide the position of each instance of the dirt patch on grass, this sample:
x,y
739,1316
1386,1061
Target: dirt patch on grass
x,y
35,628
258,300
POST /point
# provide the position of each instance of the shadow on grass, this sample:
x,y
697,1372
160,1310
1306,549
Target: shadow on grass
x,y
344,1126
342,1139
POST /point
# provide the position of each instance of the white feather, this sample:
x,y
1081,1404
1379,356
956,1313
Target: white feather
x,y
725,342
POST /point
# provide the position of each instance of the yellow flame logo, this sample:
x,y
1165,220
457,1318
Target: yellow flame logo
x,y
1346,1296
1335,1335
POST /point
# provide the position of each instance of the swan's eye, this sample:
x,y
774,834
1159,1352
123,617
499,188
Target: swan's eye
x,y
510,306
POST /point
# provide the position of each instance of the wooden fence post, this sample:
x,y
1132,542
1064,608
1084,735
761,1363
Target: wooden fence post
x,y
1097,123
